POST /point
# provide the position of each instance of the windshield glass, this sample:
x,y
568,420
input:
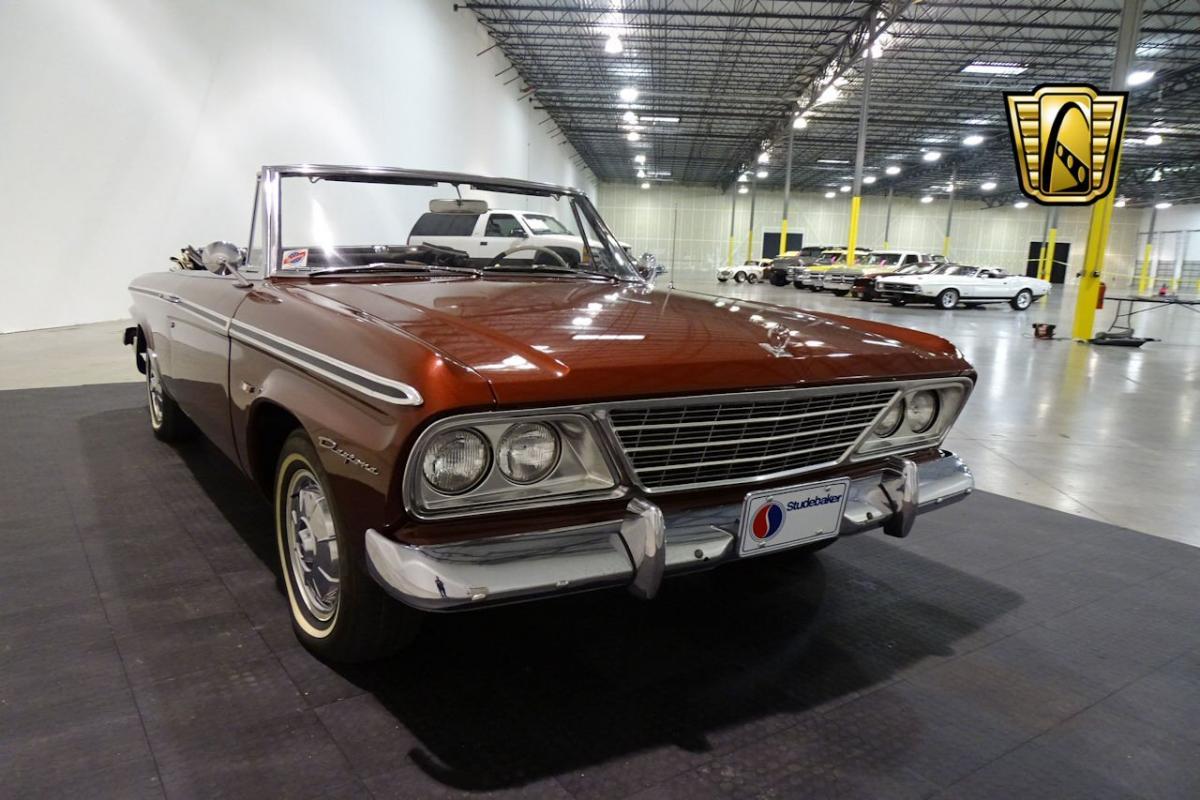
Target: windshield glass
x,y
541,223
329,225
883,259
917,269
955,269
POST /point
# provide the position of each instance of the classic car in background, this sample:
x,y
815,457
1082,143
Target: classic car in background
x,y
439,431
784,269
951,284
864,286
749,272
829,259
840,279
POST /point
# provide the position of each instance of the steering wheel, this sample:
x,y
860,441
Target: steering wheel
x,y
519,247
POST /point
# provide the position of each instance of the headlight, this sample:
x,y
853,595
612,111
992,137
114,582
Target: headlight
x,y
920,418
890,420
921,410
527,452
456,461
541,459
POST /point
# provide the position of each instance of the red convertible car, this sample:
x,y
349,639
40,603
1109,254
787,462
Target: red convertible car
x,y
441,432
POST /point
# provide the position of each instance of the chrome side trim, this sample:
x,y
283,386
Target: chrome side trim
x,y
340,372
637,550
217,321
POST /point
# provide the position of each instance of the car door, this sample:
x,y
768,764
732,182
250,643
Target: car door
x,y
500,232
1000,285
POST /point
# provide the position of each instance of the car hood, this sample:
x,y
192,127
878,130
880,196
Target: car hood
x,y
553,341
919,278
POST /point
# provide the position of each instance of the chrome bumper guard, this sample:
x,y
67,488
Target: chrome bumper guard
x,y
639,549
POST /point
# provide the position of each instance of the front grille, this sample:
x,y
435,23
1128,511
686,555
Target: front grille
x,y
907,288
703,443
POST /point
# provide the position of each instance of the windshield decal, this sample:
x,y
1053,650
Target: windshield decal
x,y
294,259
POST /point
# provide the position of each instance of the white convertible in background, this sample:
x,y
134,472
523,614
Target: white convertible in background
x,y
952,284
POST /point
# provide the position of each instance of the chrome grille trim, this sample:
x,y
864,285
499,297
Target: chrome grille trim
x,y
665,447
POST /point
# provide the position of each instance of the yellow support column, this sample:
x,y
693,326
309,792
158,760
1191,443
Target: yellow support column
x,y
730,251
783,236
946,247
1093,266
1144,280
855,204
1048,255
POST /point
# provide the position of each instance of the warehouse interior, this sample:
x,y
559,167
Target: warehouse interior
x,y
1039,639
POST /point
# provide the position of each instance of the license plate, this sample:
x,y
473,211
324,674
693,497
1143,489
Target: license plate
x,y
780,518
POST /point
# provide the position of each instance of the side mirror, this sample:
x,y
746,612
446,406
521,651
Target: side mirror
x,y
520,233
223,258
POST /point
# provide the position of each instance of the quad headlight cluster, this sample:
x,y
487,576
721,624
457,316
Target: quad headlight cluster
x,y
487,461
920,416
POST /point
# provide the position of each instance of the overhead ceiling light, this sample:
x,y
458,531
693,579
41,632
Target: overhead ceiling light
x,y
950,188
926,199
830,195
1162,205
630,117
976,121
645,184
660,119
764,158
987,186
973,140
762,173
892,170
868,179
843,188
742,190
628,95
1139,76
830,95
1154,140
931,155
800,123
832,161
742,178
613,46
641,173
1157,176
633,136
1020,204
640,158
993,68
1120,203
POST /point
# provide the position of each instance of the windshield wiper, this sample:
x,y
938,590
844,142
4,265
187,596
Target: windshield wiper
x,y
384,266
549,269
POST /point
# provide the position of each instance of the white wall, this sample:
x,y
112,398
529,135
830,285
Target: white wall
x,y
1175,256
996,237
131,127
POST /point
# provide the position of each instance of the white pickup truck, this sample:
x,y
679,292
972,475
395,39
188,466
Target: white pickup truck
x,y
482,232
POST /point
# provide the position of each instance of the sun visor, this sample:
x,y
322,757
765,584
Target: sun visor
x,y
458,206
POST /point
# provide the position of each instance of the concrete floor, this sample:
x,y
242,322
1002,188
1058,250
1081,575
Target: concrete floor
x,y
1111,434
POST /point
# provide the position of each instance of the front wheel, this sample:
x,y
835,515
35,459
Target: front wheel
x,y
814,288
338,612
167,420
739,276
839,292
948,299
798,284
779,280
867,294
898,301
1022,301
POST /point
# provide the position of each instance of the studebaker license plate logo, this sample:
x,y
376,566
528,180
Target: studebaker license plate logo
x,y
777,518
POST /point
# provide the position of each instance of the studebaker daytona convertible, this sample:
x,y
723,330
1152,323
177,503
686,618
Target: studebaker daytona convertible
x,y
441,432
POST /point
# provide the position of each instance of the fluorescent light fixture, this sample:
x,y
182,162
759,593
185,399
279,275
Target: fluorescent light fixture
x,y
932,155
830,195
764,157
1161,206
832,161
830,95
671,120
976,121
633,136
1020,204
613,45
892,170
993,68
630,117
843,188
641,173
1120,203
1154,140
926,199
762,173
800,123
645,184
628,95
742,190
868,179
973,140
1157,176
987,186
640,158
1139,76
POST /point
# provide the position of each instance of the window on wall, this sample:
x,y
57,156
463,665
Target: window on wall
x,y
504,225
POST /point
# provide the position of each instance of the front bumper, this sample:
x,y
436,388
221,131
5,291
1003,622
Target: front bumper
x,y
637,550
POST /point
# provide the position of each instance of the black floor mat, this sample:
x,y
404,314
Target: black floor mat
x,y
1003,650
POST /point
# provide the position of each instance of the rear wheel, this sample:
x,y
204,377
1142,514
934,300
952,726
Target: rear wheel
x,y
778,279
814,288
752,277
723,278
839,292
898,301
948,299
338,611
1022,301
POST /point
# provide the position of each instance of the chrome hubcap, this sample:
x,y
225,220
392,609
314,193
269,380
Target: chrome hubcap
x,y
154,390
312,545
1022,300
